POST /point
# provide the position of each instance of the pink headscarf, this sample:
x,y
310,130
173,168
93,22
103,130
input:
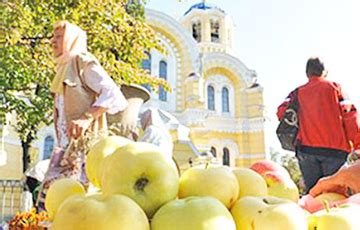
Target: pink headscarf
x,y
74,44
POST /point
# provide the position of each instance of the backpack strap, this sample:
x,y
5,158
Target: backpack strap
x,y
296,100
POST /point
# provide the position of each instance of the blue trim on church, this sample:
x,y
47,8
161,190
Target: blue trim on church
x,y
203,6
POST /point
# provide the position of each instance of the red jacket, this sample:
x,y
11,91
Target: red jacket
x,y
324,111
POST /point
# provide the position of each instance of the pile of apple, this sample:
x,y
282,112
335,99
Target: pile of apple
x,y
139,188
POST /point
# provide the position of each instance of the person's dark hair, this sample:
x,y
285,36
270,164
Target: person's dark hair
x,y
314,67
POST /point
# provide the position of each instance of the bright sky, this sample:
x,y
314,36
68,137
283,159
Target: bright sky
x,y
276,37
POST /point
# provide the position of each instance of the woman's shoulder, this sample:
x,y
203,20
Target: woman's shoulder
x,y
86,58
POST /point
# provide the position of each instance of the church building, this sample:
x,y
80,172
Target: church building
x,y
213,93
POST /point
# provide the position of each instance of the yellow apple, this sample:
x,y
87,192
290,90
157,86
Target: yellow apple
x,y
59,191
268,213
313,205
344,217
98,152
142,172
81,212
245,210
193,213
250,183
286,216
215,180
281,186
331,196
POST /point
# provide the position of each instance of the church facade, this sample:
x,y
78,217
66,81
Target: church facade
x,y
215,97
213,93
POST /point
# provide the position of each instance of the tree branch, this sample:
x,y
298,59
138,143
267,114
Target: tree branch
x,y
17,89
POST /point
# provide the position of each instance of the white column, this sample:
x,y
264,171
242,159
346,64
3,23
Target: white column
x,y
218,100
4,132
223,34
3,154
205,29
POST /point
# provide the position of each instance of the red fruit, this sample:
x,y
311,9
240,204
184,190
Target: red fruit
x,y
264,166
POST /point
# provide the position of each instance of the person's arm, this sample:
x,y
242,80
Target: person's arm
x,y
346,177
110,99
78,127
351,122
109,94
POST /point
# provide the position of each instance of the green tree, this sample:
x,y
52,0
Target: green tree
x,y
117,36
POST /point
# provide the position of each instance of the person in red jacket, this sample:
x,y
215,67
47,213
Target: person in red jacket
x,y
327,125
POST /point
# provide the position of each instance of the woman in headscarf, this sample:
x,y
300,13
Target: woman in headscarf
x,y
83,93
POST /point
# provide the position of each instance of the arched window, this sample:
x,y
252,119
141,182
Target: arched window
x,y
48,147
226,157
196,31
225,100
215,31
213,151
163,75
146,65
211,97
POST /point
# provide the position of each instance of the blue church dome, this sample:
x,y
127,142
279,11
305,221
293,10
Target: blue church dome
x,y
203,6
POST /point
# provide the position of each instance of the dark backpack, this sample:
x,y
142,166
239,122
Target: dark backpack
x,y
288,127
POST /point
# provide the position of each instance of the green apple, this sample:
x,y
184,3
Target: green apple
x,y
193,213
268,213
210,180
330,196
142,172
59,191
98,152
344,217
81,212
250,183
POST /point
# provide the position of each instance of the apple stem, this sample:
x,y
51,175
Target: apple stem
x,y
326,205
